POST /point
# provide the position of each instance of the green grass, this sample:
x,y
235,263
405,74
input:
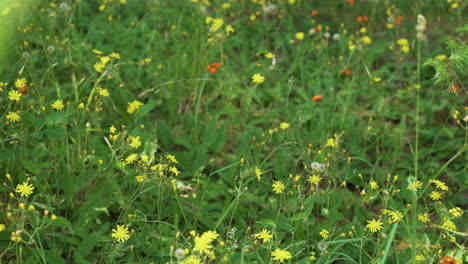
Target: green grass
x,y
372,127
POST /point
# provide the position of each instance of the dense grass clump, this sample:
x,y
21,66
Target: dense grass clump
x,y
234,131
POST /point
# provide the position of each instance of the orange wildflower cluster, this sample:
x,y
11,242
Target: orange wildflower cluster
x,y
346,72
362,19
398,20
448,260
317,97
213,67
314,13
24,89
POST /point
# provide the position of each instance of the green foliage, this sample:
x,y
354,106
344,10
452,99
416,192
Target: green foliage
x,y
451,71
194,164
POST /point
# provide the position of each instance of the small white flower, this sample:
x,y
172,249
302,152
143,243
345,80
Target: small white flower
x,y
326,35
315,165
179,253
336,36
312,31
269,8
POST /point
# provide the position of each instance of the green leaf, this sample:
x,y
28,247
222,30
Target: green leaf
x,y
61,222
55,132
146,108
56,118
88,243
52,257
36,167
299,216
266,222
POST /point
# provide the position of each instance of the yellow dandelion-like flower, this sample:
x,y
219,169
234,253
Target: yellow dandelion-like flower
x,y
440,184
134,142
314,179
258,173
269,55
450,225
14,95
435,196
396,216
284,125
2,227
203,242
217,23
374,225
115,55
420,258
423,217
171,158
456,211
103,92
278,186
264,235
366,40
281,255
300,35
25,189
133,106
58,105
20,82
374,185
331,142
121,233
324,233
229,29
131,159
174,170
258,78
112,129
13,116
414,185
191,260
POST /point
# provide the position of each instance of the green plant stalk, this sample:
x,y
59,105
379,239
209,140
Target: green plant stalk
x,y
414,204
389,243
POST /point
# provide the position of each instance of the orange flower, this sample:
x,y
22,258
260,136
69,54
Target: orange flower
x,y
398,20
346,72
362,19
317,97
448,260
351,2
314,13
23,89
213,67
318,28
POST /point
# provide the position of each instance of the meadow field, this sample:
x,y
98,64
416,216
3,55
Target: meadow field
x,y
233,131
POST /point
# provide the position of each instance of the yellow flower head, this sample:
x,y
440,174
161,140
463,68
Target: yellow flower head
x,y
13,116
324,233
58,105
14,95
20,83
281,255
264,235
374,225
25,189
278,186
258,78
300,35
121,234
